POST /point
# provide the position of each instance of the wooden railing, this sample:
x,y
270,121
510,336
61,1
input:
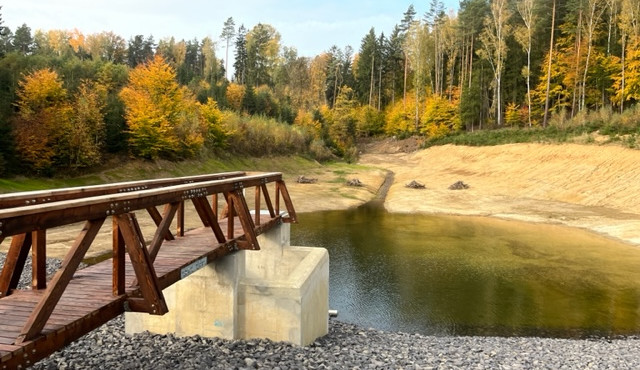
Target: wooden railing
x,y
25,217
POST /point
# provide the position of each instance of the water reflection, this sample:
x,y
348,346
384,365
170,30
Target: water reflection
x,y
473,275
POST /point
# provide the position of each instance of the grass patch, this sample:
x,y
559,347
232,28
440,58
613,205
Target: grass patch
x,y
618,128
119,170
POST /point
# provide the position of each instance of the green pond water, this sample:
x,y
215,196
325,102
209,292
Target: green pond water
x,y
454,275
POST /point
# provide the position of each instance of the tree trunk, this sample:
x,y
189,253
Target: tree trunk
x,y
578,50
546,98
622,82
404,94
373,59
471,62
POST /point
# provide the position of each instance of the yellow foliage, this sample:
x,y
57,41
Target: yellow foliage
x,y
212,116
235,95
305,119
162,116
39,90
43,118
441,117
400,118
512,115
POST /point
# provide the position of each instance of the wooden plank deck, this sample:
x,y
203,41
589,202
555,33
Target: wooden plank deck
x,y
88,301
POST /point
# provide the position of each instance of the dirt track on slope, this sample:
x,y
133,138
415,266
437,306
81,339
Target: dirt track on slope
x,y
586,186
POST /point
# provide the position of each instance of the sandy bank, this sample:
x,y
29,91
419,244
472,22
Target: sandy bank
x,y
586,186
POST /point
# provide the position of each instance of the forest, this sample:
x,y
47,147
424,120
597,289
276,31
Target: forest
x,y
68,100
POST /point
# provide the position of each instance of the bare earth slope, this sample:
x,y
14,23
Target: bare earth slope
x,y
588,186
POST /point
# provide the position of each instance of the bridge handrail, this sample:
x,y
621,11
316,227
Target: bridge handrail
x,y
26,198
18,220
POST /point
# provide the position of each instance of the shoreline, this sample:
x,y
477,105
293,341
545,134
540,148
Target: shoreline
x,y
578,186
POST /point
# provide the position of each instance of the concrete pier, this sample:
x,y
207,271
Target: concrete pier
x,y
280,292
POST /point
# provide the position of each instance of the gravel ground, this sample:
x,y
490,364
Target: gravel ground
x,y
346,346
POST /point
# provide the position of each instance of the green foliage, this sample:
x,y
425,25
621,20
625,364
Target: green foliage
x,y
369,121
260,136
618,127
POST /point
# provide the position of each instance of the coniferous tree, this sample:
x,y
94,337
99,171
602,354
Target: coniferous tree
x,y
140,50
240,63
4,33
22,40
228,31
366,69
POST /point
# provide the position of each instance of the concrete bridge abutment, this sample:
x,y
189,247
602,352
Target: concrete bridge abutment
x,y
280,292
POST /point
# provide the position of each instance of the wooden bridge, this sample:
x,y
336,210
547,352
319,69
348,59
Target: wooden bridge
x,y
55,311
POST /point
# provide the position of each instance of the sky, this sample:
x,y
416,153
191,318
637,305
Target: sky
x,y
312,27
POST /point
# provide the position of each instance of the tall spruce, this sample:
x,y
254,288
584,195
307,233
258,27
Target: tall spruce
x,y
240,63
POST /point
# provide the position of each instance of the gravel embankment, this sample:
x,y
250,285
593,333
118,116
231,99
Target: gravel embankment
x,y
345,347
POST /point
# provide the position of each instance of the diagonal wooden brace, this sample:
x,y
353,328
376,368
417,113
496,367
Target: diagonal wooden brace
x,y
163,229
38,259
41,313
244,215
157,218
281,188
209,218
142,264
267,200
14,263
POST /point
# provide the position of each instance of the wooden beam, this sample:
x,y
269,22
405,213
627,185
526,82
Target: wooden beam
x,y
21,219
118,261
267,200
20,199
59,282
256,208
157,218
180,221
39,259
208,218
214,205
14,263
167,217
293,218
142,264
244,215
230,216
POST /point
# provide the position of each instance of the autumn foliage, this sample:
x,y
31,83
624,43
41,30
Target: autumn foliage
x,y
162,116
54,130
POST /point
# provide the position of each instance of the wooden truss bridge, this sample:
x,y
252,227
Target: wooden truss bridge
x,y
57,310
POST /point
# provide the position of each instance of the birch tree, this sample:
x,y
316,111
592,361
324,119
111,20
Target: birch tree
x,y
524,36
494,47
592,15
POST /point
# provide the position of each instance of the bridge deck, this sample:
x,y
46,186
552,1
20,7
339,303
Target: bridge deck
x,y
89,302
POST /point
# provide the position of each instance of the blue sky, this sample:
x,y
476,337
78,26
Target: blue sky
x,y
310,26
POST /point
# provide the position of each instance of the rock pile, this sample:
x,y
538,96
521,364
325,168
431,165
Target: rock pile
x,y
415,185
306,180
458,185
